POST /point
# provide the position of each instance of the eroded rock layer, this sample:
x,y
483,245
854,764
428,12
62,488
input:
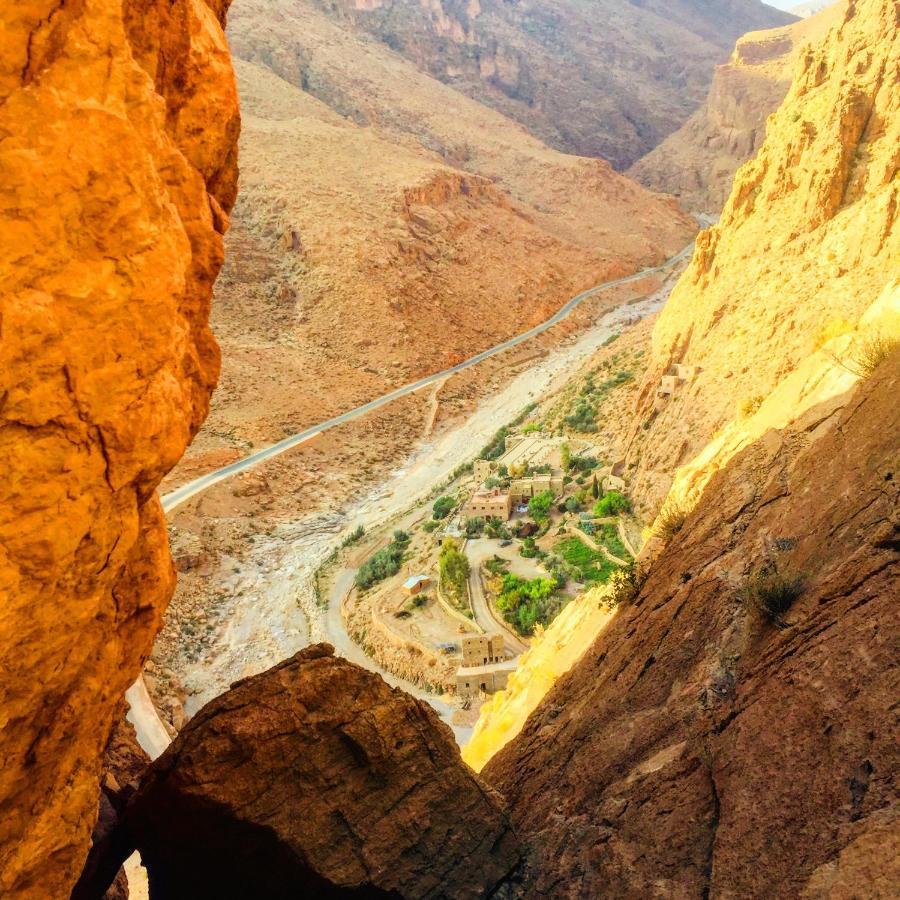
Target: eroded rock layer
x,y
118,130
604,78
697,163
317,779
703,748
806,248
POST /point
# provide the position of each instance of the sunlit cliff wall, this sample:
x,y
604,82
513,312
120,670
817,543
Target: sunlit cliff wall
x,y
118,130
802,271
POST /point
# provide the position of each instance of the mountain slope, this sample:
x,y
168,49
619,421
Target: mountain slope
x,y
362,257
697,163
612,90
806,245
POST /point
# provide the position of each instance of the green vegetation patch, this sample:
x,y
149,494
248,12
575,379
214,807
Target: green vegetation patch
x,y
592,567
612,503
442,507
526,603
384,563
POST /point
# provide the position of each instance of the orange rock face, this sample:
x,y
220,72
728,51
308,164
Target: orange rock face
x,y
118,129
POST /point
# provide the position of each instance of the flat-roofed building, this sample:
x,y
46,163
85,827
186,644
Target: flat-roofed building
x,y
474,680
483,649
489,504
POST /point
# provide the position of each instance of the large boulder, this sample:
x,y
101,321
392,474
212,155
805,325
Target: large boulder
x,y
318,779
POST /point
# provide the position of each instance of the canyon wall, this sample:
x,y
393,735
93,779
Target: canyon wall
x,y
741,691
697,163
118,131
605,79
806,247
702,748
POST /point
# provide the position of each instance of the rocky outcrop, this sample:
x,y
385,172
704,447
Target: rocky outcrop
x,y
124,764
730,733
697,163
612,91
118,129
317,779
806,246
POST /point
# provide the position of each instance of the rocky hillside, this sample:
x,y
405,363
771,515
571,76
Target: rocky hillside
x,y
118,131
744,691
612,91
364,256
806,249
697,163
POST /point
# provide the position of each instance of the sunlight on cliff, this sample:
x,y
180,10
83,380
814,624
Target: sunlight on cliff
x,y
550,656
821,381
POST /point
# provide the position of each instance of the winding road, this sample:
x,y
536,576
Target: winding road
x,y
151,733
175,498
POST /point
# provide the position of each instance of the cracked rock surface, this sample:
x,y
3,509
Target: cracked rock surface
x,y
118,134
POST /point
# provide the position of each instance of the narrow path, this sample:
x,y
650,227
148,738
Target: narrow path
x,y
175,498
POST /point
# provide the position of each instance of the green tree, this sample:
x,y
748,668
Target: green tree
x,y
539,506
595,489
565,457
611,504
442,507
454,568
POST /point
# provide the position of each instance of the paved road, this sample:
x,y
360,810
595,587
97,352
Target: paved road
x,y
175,498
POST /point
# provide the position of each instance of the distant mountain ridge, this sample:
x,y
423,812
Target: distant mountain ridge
x,y
604,78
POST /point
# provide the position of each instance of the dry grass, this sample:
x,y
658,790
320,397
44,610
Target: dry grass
x,y
771,593
866,354
670,520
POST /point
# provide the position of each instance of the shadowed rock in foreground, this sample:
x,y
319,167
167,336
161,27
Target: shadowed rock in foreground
x,y
318,779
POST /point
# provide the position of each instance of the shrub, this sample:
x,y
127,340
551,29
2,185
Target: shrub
x,y
354,536
442,508
868,354
749,405
474,526
611,504
625,584
497,565
583,418
583,463
384,563
454,568
572,505
771,593
670,520
539,506
431,525
529,549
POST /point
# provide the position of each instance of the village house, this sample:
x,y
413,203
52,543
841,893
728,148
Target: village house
x,y
415,584
481,649
523,489
474,680
492,503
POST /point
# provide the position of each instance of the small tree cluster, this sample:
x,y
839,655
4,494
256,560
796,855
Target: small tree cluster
x,y
454,569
